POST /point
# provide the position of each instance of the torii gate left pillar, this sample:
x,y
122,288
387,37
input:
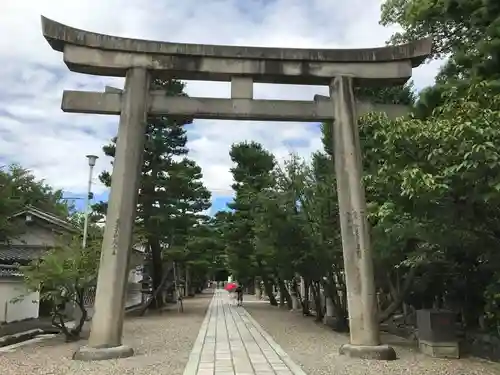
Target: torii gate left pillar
x,y
107,322
341,70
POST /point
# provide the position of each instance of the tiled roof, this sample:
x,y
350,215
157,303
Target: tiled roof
x,y
50,218
20,253
9,271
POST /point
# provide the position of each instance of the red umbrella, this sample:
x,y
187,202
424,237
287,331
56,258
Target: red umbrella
x,y
230,286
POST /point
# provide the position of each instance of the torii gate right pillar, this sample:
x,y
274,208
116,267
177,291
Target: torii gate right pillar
x,y
356,244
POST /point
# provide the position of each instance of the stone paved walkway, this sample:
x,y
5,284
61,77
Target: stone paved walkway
x,y
231,342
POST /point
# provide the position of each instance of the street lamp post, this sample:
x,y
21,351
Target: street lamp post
x,y
92,159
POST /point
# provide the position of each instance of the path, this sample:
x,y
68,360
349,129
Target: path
x,y
231,342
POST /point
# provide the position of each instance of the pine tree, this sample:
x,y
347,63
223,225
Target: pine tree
x,y
252,173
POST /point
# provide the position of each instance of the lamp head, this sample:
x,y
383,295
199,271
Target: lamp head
x,y
92,159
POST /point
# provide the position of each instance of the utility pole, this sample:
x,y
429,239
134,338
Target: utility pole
x,y
92,160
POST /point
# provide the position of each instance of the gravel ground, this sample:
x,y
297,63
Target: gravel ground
x,y
315,348
162,344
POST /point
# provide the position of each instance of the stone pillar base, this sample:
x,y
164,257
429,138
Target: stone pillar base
x,y
439,349
87,353
380,352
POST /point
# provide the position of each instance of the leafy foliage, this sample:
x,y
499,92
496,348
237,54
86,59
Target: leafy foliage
x,y
62,275
467,32
20,188
252,174
433,203
455,189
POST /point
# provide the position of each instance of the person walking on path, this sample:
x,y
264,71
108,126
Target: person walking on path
x,y
239,293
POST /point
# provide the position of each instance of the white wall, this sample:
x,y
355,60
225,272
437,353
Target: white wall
x,y
35,235
25,309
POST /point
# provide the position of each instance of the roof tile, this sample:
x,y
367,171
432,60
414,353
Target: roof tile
x,y
20,253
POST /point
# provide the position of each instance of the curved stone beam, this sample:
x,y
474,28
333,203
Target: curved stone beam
x,y
58,35
94,53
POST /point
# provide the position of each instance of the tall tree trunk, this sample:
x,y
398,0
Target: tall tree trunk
x,y
331,291
187,283
339,320
163,284
282,298
151,226
268,286
317,300
157,268
288,297
295,295
258,290
398,299
251,287
305,297
284,294
76,331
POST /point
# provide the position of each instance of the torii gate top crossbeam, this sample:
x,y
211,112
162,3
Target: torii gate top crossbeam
x,y
99,54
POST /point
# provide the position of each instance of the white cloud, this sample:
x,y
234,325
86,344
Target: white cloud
x,y
37,134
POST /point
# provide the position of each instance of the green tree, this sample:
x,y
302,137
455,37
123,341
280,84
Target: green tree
x,y
171,193
434,196
460,110
251,173
467,32
432,203
203,253
387,94
291,224
62,275
20,188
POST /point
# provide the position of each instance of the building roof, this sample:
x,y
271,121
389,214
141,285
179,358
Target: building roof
x,y
47,217
10,254
10,271
24,253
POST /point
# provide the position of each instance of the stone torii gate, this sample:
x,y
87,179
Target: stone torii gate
x,y
141,60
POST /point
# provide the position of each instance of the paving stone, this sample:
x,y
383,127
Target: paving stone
x,y
280,368
244,369
207,366
259,368
224,369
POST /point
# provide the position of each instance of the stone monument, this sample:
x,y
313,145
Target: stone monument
x,y
140,60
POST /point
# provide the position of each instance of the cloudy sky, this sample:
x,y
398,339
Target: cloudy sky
x,y
37,134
